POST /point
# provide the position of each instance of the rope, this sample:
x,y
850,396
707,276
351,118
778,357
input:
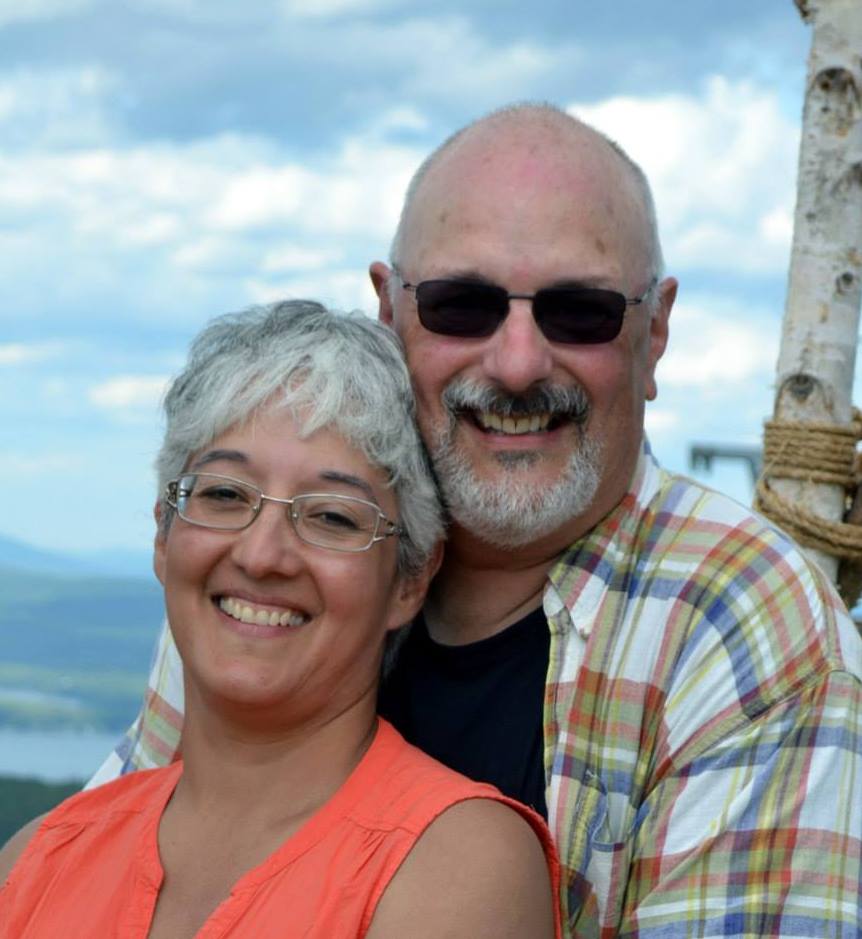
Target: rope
x,y
816,453
839,539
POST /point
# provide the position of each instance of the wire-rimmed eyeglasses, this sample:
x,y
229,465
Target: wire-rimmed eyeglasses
x,y
324,519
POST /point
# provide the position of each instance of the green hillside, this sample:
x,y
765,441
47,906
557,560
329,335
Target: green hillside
x,y
75,650
24,799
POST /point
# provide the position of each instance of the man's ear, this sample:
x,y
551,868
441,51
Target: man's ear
x,y
411,591
380,274
159,545
658,332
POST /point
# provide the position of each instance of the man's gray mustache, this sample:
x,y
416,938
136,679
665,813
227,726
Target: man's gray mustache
x,y
567,402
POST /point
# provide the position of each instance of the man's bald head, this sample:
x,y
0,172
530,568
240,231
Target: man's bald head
x,y
545,128
531,436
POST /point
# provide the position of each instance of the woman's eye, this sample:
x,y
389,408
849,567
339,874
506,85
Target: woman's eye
x,y
333,519
223,494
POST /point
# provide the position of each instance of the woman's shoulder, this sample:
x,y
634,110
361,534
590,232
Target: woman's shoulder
x,y
471,853
126,795
14,847
479,868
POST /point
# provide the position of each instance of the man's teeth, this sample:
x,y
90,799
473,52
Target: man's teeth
x,y
513,425
257,615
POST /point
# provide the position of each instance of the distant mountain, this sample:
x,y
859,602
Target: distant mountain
x,y
75,648
119,562
17,554
115,562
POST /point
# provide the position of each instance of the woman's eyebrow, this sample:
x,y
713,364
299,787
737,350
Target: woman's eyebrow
x,y
214,456
334,476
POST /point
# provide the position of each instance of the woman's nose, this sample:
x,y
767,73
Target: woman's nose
x,y
270,544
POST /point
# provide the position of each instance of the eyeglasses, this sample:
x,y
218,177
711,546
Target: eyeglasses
x,y
325,519
470,309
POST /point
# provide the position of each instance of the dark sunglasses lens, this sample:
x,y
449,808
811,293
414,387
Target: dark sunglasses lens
x,y
585,316
460,309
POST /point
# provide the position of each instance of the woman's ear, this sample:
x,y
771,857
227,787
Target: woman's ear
x,y
412,589
159,544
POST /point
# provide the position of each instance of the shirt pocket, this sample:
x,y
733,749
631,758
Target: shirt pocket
x,y
597,861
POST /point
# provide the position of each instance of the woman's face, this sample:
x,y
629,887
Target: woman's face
x,y
330,610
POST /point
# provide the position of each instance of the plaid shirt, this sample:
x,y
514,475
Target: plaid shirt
x,y
703,725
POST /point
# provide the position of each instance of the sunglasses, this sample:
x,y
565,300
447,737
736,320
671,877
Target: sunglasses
x,y
470,309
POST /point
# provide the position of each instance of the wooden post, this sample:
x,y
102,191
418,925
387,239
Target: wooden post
x,y
821,320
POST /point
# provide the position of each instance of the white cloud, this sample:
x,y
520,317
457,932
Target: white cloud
x,y
290,257
170,230
342,289
714,346
17,465
56,107
448,58
399,118
722,164
660,420
350,193
129,392
322,9
163,194
214,12
13,11
18,353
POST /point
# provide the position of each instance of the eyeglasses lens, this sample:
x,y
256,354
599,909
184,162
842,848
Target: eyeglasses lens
x,y
461,309
216,501
336,522
569,315
585,316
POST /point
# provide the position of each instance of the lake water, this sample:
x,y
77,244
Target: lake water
x,y
53,755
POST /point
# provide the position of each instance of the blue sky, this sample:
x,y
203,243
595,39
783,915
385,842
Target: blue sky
x,y
163,161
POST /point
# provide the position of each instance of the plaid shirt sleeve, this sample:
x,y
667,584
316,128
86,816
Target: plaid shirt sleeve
x,y
154,738
703,727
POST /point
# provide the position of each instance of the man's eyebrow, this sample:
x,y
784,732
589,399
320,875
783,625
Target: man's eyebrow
x,y
334,476
214,456
469,275
582,283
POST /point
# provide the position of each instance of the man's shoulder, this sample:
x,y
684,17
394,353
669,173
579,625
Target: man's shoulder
x,y
678,526
691,527
687,562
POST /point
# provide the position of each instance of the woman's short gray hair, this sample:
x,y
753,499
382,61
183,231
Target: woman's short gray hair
x,y
334,370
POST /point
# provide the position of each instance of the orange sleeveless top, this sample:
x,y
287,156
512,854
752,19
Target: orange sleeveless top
x,y
92,869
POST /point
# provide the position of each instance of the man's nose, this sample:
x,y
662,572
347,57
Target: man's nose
x,y
518,355
269,545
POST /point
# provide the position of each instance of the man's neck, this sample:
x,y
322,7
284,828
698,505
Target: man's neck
x,y
481,589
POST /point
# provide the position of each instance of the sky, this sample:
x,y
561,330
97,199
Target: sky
x,y
165,161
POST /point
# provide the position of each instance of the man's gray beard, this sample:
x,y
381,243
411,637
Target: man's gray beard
x,y
512,510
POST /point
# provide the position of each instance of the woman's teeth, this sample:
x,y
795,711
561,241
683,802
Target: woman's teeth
x,y
259,616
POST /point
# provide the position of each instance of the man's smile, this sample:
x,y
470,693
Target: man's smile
x,y
513,425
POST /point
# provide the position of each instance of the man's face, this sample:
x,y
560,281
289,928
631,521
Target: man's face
x,y
528,214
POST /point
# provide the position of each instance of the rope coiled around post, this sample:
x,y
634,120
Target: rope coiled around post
x,y
816,453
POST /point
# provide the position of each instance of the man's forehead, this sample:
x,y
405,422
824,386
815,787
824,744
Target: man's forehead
x,y
521,182
528,149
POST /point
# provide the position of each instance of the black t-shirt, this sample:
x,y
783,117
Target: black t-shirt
x,y
477,707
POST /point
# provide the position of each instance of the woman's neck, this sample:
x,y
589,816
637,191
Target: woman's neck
x,y
268,777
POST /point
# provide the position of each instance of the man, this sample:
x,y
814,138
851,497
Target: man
x,y
655,667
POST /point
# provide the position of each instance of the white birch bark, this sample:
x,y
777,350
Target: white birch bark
x,y
821,321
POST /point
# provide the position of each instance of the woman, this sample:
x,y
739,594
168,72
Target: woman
x,y
298,528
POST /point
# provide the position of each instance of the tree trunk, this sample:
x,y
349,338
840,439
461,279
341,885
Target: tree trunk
x,y
821,320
